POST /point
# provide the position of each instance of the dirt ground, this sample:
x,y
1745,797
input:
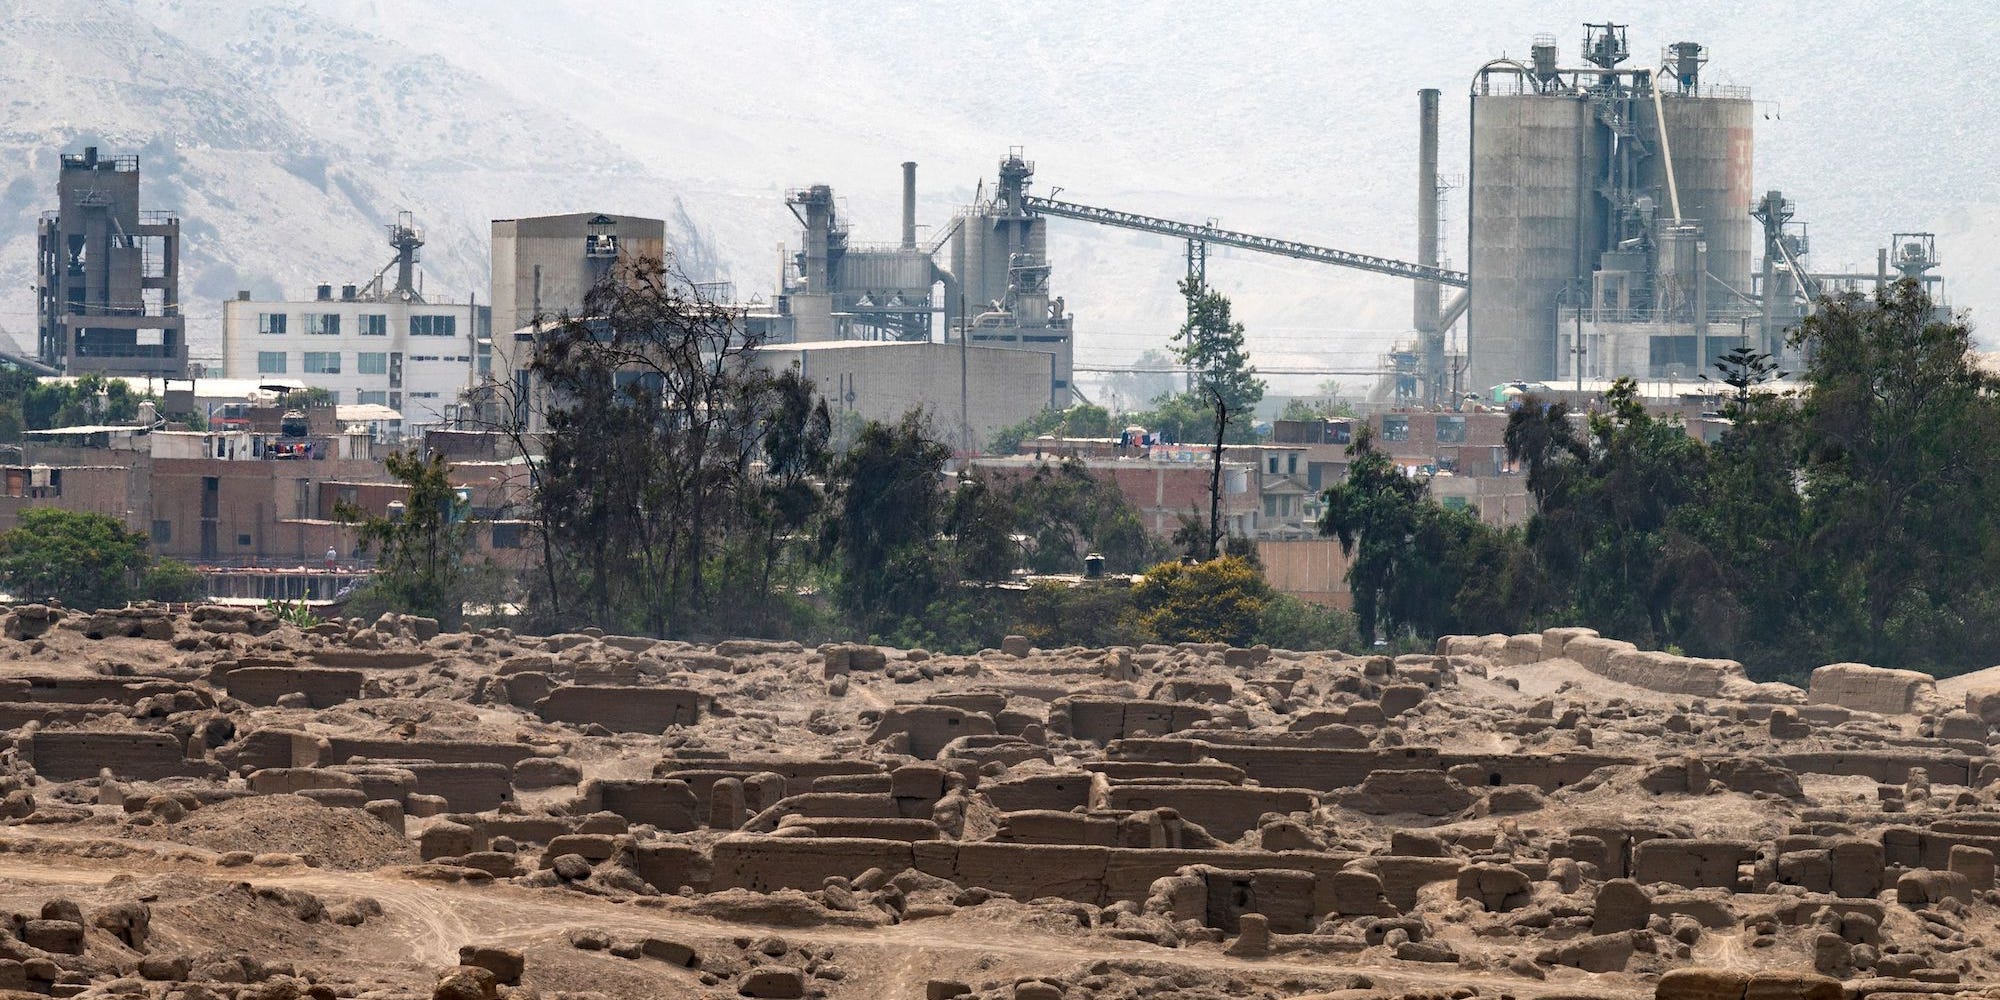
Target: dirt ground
x,y
244,896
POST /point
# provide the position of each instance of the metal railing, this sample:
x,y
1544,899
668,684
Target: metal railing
x,y
1568,314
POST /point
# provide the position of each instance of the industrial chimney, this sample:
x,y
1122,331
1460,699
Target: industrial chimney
x,y
1431,339
910,205
1426,315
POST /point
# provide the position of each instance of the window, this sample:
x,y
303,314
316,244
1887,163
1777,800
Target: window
x,y
506,536
378,397
372,362
1271,507
1272,464
1291,463
372,324
163,532
1395,428
423,395
323,324
242,539
433,326
271,362
423,357
271,323
321,363
1451,430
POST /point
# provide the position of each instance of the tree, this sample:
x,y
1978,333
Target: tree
x,y
422,564
309,396
1308,410
796,448
1066,513
981,525
889,513
1188,417
1743,370
1417,565
1082,420
654,414
86,399
171,580
1290,623
1605,503
1096,613
1221,600
1901,473
1854,520
1211,344
84,560
16,384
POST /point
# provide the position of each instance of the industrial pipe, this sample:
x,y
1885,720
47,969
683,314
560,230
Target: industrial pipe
x,y
1666,149
1520,69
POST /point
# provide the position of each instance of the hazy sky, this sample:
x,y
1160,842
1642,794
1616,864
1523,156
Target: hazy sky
x,y
286,132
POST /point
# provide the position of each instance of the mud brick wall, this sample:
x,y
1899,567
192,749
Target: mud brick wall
x,y
622,709
71,756
323,687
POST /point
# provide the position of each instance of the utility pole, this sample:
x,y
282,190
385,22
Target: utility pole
x,y
964,380
1215,475
1576,348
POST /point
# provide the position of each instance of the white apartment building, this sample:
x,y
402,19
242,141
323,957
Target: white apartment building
x,y
412,356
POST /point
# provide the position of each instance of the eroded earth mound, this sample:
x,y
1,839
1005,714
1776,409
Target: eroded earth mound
x,y
219,805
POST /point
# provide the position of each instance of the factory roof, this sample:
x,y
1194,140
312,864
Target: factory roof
x,y
88,429
365,412
204,388
842,345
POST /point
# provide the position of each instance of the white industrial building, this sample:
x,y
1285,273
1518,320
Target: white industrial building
x,y
414,357
967,392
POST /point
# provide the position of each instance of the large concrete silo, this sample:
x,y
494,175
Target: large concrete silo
x,y
1532,227
1712,141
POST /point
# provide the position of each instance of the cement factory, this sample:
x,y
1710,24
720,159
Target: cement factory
x,y
1615,229
1613,226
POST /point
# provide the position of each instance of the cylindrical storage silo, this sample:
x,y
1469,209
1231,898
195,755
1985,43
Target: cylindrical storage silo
x,y
1531,202
1712,143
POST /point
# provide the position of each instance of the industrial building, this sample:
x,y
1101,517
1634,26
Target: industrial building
x,y
967,392
1610,214
108,275
1615,226
543,266
381,343
994,294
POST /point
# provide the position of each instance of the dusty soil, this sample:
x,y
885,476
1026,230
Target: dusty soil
x,y
1487,809
343,839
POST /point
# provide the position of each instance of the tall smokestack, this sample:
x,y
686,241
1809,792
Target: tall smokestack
x,y
1426,313
910,205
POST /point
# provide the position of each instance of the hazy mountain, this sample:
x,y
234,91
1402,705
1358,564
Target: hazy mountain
x,y
287,133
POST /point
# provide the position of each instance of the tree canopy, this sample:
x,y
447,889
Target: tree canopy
x,y
1210,343
421,562
84,560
